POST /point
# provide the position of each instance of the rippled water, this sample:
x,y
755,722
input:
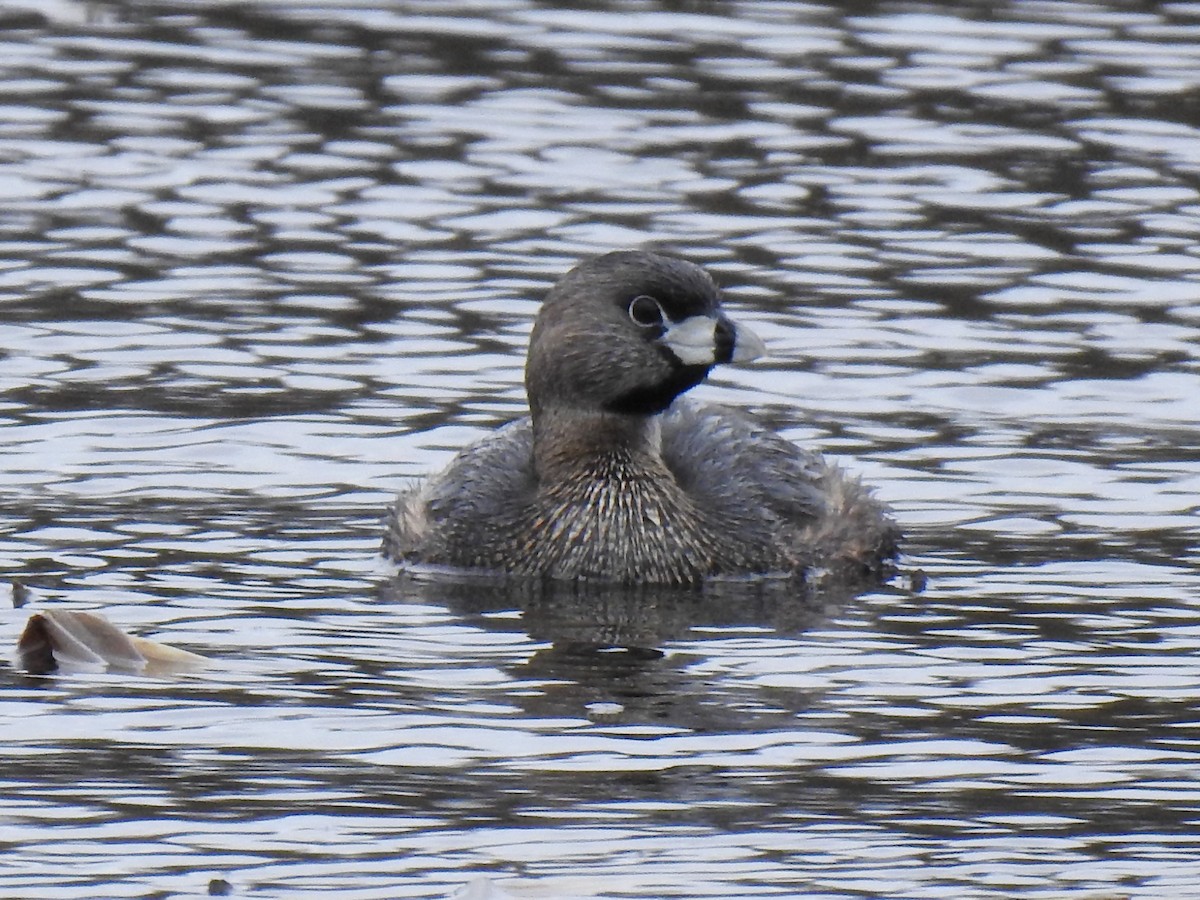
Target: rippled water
x,y
261,263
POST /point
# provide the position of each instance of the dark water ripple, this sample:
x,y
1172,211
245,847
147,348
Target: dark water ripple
x,y
261,263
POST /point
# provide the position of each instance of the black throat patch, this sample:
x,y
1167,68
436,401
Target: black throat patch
x,y
651,399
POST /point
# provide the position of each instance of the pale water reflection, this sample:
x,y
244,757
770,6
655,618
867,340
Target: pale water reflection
x,y
261,264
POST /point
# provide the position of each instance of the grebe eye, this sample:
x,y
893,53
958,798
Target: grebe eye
x,y
645,312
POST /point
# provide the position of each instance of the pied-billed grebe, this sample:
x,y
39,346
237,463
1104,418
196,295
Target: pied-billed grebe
x,y
612,478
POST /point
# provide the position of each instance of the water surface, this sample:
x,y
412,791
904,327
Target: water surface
x,y
262,264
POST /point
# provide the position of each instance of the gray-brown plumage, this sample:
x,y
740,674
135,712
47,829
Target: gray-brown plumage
x,y
612,478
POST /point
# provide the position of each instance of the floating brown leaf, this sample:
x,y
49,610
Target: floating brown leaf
x,y
87,641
